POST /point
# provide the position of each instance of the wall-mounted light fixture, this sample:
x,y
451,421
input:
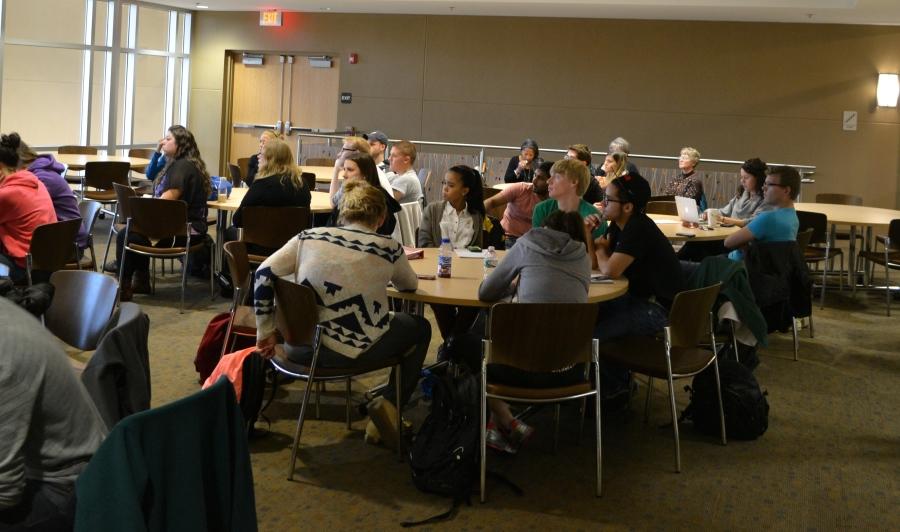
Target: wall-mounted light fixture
x,y
888,90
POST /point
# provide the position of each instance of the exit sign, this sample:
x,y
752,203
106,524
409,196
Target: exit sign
x,y
270,18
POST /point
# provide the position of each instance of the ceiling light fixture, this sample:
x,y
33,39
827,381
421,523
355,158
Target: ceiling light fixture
x,y
202,6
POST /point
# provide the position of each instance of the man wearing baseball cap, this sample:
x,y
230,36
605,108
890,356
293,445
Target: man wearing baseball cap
x,y
378,144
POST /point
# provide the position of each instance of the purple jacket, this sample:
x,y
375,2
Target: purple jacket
x,y
49,171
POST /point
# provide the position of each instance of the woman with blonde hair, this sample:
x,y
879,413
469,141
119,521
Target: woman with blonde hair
x,y
614,165
254,164
354,264
687,184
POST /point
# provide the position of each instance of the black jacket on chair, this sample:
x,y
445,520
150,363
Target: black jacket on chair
x,y
780,282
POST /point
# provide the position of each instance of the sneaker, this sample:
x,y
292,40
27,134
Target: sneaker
x,y
384,416
141,283
496,440
519,433
111,267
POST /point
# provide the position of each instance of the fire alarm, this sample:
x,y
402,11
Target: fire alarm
x,y
354,58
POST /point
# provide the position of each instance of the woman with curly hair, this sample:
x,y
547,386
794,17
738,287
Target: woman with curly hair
x,y
184,178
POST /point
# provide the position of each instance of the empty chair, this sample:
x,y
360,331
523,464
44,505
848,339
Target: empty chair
x,y
141,153
662,207
242,320
820,247
120,216
841,199
138,177
182,466
82,305
889,257
90,210
244,165
319,161
409,218
677,355
52,246
496,212
541,338
271,227
667,197
236,177
100,176
164,222
75,150
297,319
309,180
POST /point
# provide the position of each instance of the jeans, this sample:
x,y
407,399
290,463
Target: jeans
x,y
404,331
134,262
625,316
45,506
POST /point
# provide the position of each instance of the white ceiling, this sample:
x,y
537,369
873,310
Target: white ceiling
x,y
879,12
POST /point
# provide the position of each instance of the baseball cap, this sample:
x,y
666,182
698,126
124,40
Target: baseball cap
x,y
379,136
636,188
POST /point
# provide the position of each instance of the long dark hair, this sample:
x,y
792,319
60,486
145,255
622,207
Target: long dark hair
x,y
366,167
471,179
9,150
187,149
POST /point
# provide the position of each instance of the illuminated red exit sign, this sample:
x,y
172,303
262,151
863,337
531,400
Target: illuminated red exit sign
x,y
270,18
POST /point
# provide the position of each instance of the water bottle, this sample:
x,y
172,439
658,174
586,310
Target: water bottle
x,y
223,189
445,258
490,260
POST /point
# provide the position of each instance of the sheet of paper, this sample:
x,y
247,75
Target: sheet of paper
x,y
466,254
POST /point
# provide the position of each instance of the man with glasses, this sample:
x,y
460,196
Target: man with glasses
x,y
636,249
781,188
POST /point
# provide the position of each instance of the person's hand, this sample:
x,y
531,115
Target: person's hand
x,y
727,220
593,221
159,145
266,346
601,179
523,163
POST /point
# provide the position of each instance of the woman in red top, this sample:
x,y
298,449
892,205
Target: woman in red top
x,y
24,205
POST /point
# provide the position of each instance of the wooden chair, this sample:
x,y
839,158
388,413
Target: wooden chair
x,y
236,176
83,303
889,257
319,161
662,207
297,319
540,338
141,153
244,165
676,355
496,212
75,150
140,179
90,211
667,197
272,227
121,214
309,180
100,176
820,247
841,199
242,321
162,220
51,248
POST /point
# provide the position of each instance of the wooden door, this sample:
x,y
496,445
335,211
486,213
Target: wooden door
x,y
284,92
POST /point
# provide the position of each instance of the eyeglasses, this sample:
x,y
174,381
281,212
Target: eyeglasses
x,y
349,149
607,200
770,184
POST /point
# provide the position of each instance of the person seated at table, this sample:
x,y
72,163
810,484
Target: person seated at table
x,y
350,146
24,205
49,172
619,144
278,184
687,183
780,189
184,178
402,177
461,216
254,164
581,153
568,180
550,264
343,264
378,142
520,200
636,249
521,167
615,164
361,166
51,427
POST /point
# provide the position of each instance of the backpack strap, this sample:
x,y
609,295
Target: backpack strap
x,y
449,514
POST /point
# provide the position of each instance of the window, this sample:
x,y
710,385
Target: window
x,y
71,75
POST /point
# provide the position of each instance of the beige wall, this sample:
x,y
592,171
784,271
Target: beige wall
x,y
733,90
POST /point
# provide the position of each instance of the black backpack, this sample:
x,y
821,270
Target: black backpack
x,y
745,406
253,375
444,455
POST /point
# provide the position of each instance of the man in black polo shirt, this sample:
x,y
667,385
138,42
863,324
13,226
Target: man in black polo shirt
x,y
635,248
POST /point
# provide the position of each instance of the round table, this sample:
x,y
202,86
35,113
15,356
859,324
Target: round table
x,y
852,215
462,288
76,161
670,225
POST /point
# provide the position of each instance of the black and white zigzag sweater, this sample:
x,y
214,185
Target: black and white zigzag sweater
x,y
348,268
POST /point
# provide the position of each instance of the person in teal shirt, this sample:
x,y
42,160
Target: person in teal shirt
x,y
781,188
569,179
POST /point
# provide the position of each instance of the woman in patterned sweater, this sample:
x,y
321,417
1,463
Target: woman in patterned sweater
x,y
349,268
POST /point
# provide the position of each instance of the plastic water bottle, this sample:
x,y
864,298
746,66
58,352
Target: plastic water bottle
x,y
445,258
490,260
223,190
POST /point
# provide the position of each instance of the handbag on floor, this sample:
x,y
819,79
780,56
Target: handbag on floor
x,y
210,349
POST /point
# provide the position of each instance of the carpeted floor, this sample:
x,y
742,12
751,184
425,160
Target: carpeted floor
x,y
830,459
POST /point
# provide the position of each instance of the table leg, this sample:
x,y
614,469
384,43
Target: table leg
x,y
851,260
221,225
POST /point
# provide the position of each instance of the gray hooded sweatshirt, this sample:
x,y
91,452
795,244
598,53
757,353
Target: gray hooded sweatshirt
x,y
552,268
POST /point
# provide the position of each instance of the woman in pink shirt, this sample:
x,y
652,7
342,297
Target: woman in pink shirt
x,y
520,199
24,205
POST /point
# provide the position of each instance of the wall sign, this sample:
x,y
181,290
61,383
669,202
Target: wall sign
x,y
346,97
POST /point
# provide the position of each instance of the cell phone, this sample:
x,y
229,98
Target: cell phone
x,y
686,235
426,277
474,249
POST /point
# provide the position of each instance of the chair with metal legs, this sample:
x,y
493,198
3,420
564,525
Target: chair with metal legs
x,y
52,245
555,336
677,354
297,320
889,257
